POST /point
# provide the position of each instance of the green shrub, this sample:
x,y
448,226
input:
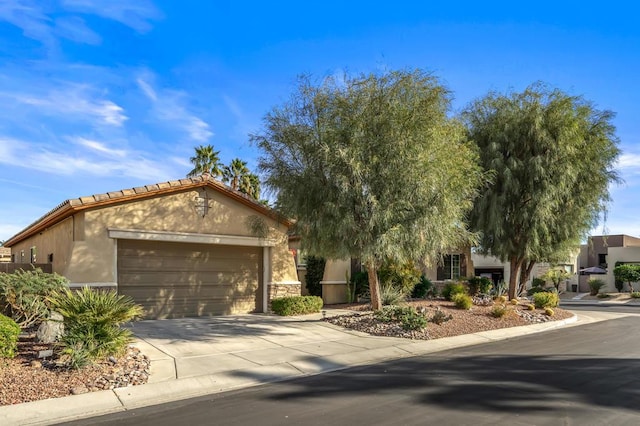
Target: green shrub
x,y
440,317
408,316
498,311
451,289
24,294
9,332
296,305
479,285
92,321
501,299
537,286
548,312
360,283
403,276
603,296
546,299
315,272
595,285
392,295
462,301
635,294
423,288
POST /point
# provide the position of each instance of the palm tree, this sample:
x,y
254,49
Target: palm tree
x,y
234,173
250,185
206,160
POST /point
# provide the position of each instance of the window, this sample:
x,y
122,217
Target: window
x,y
21,256
451,266
33,255
602,260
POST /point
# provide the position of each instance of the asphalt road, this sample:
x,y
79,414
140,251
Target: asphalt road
x,y
582,375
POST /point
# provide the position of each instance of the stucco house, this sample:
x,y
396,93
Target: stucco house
x,y
186,247
605,252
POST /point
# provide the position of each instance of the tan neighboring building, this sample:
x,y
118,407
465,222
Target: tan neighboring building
x,y
187,247
606,252
5,254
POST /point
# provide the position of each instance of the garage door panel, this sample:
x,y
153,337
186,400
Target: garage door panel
x,y
177,279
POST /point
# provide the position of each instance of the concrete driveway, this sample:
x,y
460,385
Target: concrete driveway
x,y
190,347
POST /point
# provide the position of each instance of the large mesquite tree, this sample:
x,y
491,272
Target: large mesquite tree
x,y
371,167
552,157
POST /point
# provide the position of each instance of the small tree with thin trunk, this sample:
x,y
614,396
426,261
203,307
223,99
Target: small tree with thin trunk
x,y
627,273
372,168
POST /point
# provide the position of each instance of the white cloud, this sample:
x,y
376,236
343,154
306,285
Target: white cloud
x,y
72,101
629,163
29,17
100,147
98,160
169,106
136,14
74,28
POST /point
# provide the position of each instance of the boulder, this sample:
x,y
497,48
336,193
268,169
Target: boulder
x,y
51,329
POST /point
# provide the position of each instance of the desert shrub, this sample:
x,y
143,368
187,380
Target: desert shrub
x,y
500,299
462,301
546,299
603,296
315,272
423,288
24,294
498,311
92,323
450,289
439,317
500,289
627,273
360,283
296,305
514,301
635,294
548,312
392,295
479,285
403,276
9,332
595,285
537,285
531,307
408,316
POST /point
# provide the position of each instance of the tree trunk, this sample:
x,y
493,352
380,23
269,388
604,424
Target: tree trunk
x,y
374,287
514,264
524,276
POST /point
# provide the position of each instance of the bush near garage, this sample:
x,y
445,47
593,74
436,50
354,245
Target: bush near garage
x,y
92,323
296,305
9,332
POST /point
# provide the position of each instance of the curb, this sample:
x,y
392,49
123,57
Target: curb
x,y
76,407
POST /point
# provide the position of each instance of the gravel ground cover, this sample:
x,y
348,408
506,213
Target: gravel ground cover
x,y
477,319
29,378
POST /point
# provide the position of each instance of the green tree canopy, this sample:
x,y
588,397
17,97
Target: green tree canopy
x,y
371,167
206,160
627,273
552,157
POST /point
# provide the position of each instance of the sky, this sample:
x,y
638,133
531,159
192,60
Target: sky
x,y
102,95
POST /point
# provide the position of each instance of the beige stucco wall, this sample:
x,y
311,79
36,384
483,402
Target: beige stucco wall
x,y
57,240
91,258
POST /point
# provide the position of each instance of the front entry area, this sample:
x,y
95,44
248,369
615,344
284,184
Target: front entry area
x,y
175,280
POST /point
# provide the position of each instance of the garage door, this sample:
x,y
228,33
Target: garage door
x,y
173,280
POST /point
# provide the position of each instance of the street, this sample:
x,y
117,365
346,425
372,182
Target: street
x,y
586,375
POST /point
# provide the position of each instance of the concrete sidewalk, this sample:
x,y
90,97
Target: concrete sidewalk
x,y
578,299
198,356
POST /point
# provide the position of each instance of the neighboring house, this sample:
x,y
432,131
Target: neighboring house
x,y
5,254
606,252
453,265
493,268
179,248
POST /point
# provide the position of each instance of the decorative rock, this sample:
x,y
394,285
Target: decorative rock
x,y
113,360
51,329
79,390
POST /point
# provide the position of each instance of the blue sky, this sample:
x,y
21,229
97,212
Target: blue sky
x,y
97,96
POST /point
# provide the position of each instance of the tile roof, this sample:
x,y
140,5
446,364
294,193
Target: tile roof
x,y
69,207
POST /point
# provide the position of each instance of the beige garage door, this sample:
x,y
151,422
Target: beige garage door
x,y
173,280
